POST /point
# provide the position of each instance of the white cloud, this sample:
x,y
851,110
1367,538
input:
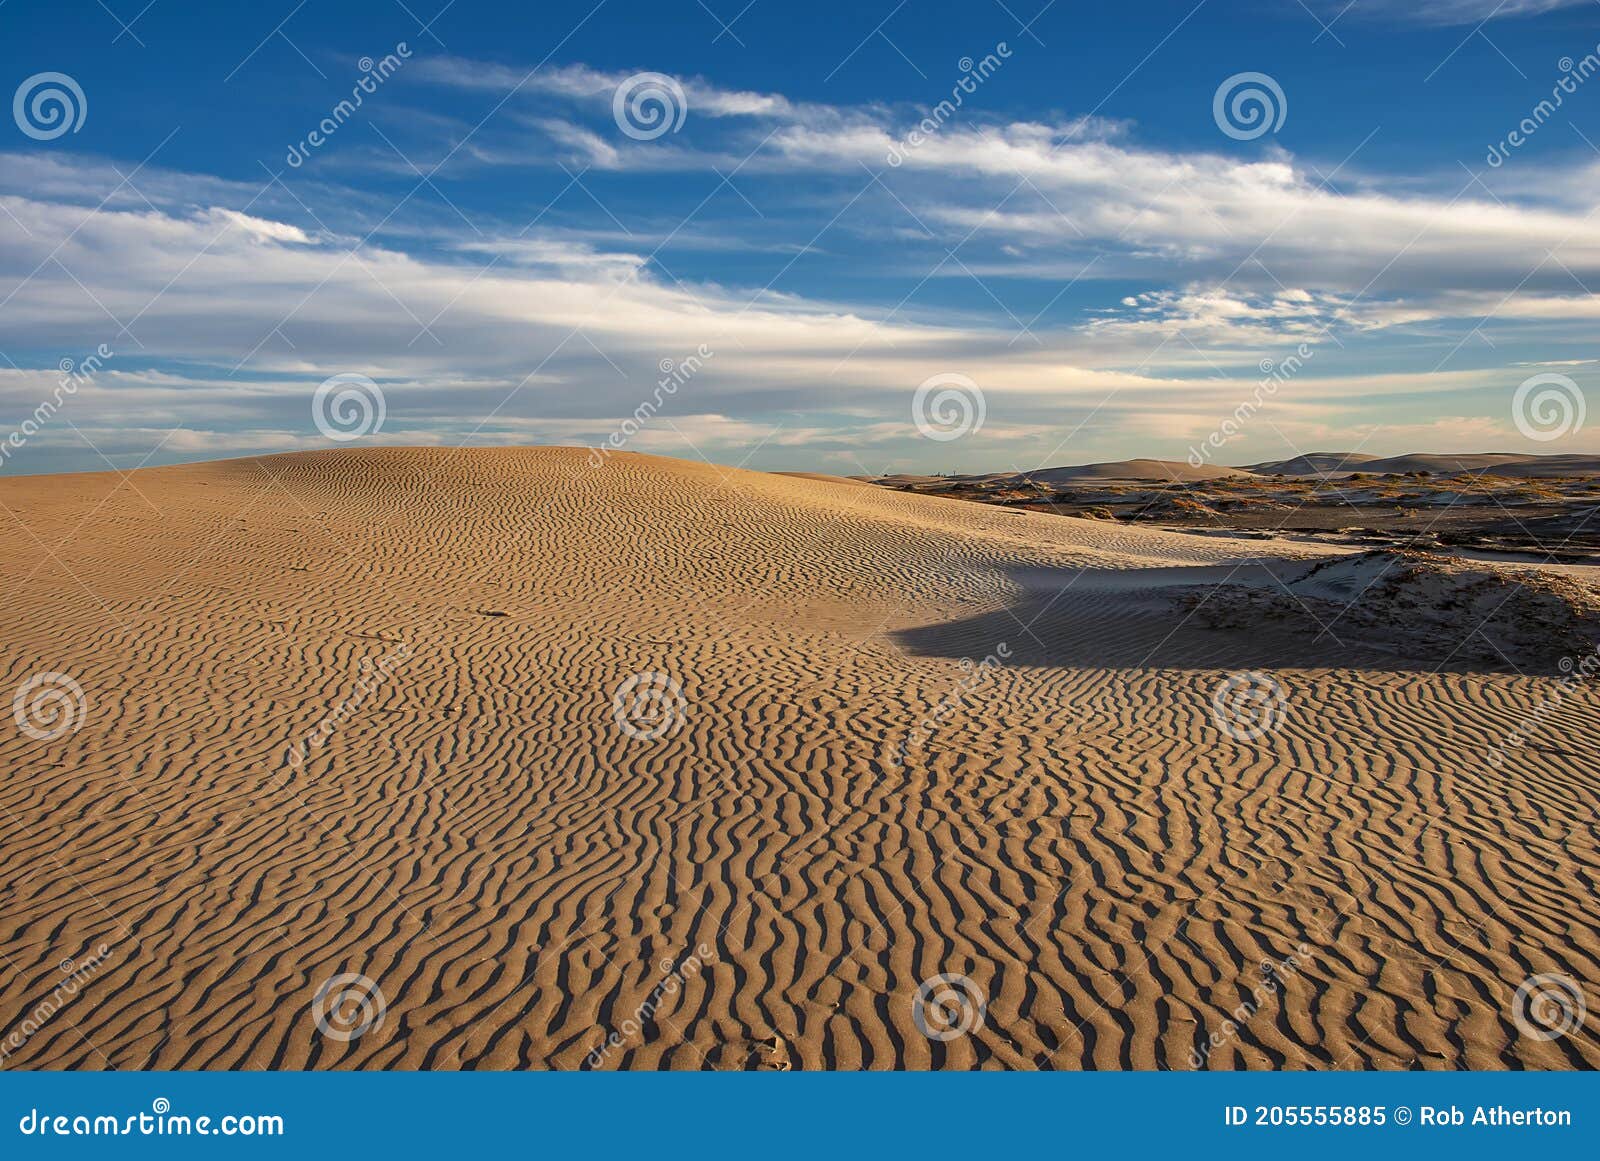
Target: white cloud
x,y
235,307
581,83
1459,11
1044,196
258,229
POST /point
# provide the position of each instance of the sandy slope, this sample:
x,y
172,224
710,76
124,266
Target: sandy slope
x,y
479,836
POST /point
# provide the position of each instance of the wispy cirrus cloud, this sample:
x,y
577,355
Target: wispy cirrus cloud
x,y
1041,195
1458,11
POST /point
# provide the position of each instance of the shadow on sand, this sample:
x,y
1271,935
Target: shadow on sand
x,y
1161,618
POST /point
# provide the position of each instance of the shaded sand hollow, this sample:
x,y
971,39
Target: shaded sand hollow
x,y
762,874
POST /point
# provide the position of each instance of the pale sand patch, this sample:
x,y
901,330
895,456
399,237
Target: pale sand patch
x,y
1072,831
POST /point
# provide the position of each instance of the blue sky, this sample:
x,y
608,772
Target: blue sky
x,y
1079,244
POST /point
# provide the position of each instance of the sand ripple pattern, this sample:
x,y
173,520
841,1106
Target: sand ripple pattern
x,y
765,885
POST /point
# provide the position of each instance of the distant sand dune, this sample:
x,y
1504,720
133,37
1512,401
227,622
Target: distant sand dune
x,y
842,811
1497,463
1155,471
1162,471
1314,463
1445,464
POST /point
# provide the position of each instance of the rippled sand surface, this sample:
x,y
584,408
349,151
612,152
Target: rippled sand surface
x,y
379,713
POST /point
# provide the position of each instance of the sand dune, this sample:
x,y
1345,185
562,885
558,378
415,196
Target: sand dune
x,y
1444,464
1313,464
1422,606
1162,471
1535,467
818,808
1499,463
1131,471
